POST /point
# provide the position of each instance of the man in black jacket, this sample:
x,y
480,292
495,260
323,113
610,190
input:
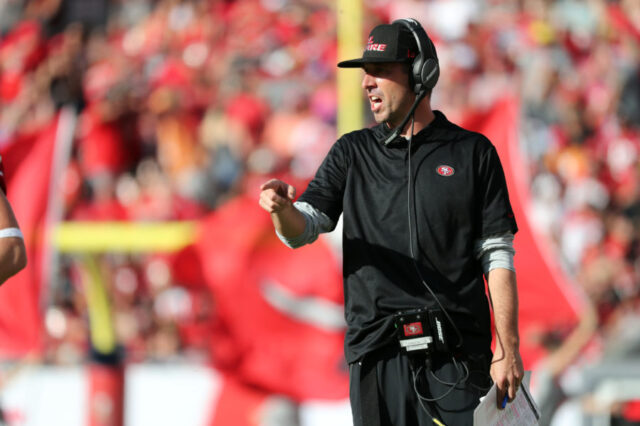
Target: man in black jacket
x,y
426,213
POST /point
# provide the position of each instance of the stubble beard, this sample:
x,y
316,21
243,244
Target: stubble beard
x,y
393,118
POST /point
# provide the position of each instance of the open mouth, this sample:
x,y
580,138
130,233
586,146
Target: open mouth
x,y
376,102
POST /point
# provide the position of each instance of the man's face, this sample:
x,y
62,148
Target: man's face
x,y
387,87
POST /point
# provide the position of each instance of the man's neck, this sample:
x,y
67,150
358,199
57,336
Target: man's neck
x,y
421,119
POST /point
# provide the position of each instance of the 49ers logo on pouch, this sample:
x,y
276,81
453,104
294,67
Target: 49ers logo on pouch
x,y
444,170
412,329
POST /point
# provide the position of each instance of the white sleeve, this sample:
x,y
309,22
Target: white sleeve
x,y
495,251
316,222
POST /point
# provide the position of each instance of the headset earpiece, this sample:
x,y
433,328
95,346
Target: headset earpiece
x,y
430,73
416,77
425,68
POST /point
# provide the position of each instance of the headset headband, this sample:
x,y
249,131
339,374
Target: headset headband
x,y
425,69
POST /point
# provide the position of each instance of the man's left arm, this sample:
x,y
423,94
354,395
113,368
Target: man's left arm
x,y
506,367
13,254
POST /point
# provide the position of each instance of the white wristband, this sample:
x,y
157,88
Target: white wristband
x,y
11,232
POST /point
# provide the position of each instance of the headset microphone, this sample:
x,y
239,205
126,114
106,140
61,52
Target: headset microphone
x,y
396,132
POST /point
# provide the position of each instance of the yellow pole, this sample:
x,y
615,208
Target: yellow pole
x,y
101,330
350,45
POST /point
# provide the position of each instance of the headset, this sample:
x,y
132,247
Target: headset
x,y
425,70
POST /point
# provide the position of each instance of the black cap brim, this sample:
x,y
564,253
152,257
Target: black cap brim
x,y
359,63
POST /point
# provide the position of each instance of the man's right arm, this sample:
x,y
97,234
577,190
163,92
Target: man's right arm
x,y
290,229
276,197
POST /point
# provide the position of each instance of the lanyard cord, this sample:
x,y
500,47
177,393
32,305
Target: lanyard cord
x,y
410,202
410,198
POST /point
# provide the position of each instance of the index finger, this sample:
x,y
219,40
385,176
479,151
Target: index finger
x,y
513,388
272,183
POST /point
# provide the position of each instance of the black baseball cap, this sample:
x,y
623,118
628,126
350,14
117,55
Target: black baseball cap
x,y
386,43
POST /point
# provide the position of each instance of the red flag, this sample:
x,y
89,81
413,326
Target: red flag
x,y
27,164
621,22
275,308
547,297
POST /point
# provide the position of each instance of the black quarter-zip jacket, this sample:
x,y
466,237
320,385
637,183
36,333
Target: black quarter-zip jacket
x,y
458,195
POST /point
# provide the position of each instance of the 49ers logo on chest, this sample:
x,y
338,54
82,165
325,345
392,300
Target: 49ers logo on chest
x,y
444,170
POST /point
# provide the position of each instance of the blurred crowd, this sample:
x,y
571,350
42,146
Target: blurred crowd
x,y
179,102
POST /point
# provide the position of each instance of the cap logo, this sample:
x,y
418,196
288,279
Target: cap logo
x,y
444,170
378,47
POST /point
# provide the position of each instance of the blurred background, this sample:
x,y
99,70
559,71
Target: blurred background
x,y
135,135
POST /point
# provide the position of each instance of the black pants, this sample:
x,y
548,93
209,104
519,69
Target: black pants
x,y
389,375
